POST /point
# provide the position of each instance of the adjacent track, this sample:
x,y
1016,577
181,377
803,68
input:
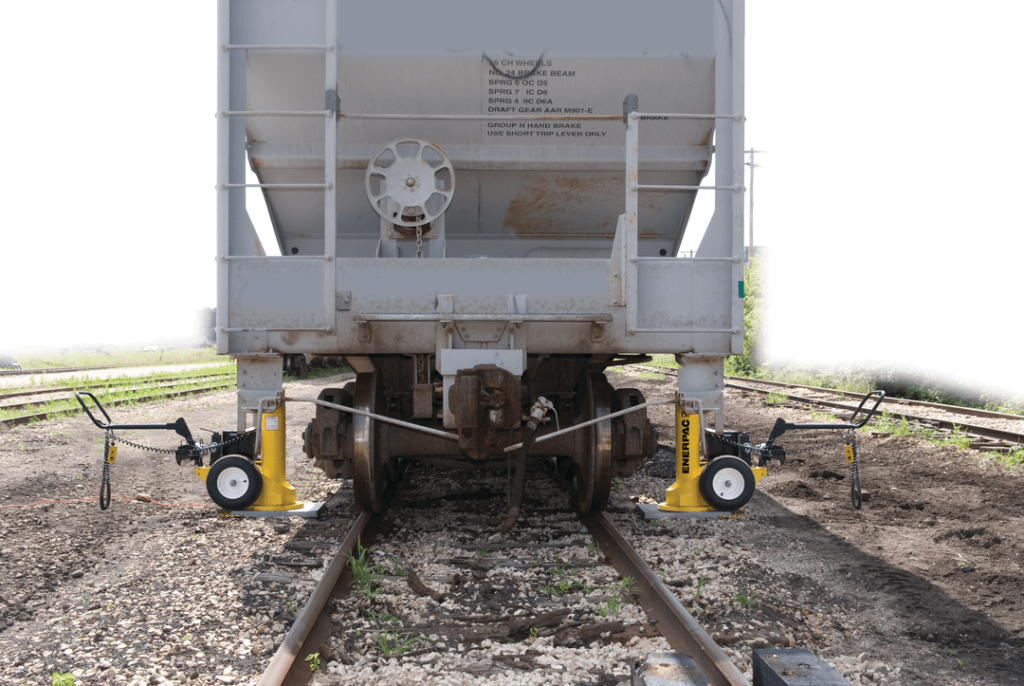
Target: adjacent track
x,y
989,438
954,409
43,391
998,438
59,370
39,416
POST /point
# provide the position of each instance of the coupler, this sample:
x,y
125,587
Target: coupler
x,y
715,484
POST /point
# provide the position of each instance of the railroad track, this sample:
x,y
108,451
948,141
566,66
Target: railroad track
x,y
44,392
59,370
988,437
430,583
40,416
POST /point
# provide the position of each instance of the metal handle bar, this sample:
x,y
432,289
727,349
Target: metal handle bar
x,y
871,412
78,397
179,427
782,426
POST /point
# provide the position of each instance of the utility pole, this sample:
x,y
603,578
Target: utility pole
x,y
753,166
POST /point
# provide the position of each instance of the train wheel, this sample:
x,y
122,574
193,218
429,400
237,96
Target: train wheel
x,y
594,458
370,466
727,483
234,482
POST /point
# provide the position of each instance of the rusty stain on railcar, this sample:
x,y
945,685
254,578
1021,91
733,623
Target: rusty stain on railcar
x,y
543,202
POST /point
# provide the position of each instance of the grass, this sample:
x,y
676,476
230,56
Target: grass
x,y
887,423
564,580
393,643
746,599
865,381
367,577
115,358
130,389
610,608
1014,458
774,398
699,591
42,383
314,662
823,417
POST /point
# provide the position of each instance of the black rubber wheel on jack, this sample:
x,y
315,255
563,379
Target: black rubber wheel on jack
x,y
727,483
234,482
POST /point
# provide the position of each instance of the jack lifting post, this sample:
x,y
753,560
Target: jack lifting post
x,y
277,493
684,495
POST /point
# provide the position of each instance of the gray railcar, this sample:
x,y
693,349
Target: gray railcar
x,y
479,206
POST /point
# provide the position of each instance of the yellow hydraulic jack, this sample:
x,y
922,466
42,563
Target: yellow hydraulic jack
x,y
257,489
722,484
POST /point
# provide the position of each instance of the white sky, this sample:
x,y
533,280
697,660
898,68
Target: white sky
x,y
887,196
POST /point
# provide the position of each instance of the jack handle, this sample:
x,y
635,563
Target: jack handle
x,y
781,426
179,427
871,413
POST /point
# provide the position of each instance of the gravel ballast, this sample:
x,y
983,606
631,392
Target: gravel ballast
x,y
146,594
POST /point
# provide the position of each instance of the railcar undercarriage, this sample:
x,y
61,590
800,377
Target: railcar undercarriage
x,y
490,407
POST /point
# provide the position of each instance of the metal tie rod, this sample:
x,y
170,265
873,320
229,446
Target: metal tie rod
x,y
583,425
378,417
682,189
276,113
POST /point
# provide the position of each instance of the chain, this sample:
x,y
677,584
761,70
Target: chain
x,y
753,449
855,492
110,440
198,449
105,483
419,241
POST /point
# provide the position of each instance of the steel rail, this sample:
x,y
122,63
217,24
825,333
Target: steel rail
x,y
1008,437
284,660
970,429
889,400
59,370
40,416
677,625
106,384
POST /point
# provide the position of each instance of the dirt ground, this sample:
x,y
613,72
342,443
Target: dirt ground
x,y
931,565
928,573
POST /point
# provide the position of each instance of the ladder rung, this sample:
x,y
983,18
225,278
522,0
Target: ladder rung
x,y
328,48
277,113
682,189
280,186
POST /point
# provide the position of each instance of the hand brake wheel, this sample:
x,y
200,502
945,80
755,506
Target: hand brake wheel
x,y
410,182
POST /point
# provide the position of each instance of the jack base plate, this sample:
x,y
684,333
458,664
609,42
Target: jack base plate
x,y
308,510
651,511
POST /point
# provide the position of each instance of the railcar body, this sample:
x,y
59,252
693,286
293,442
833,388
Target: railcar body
x,y
463,203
